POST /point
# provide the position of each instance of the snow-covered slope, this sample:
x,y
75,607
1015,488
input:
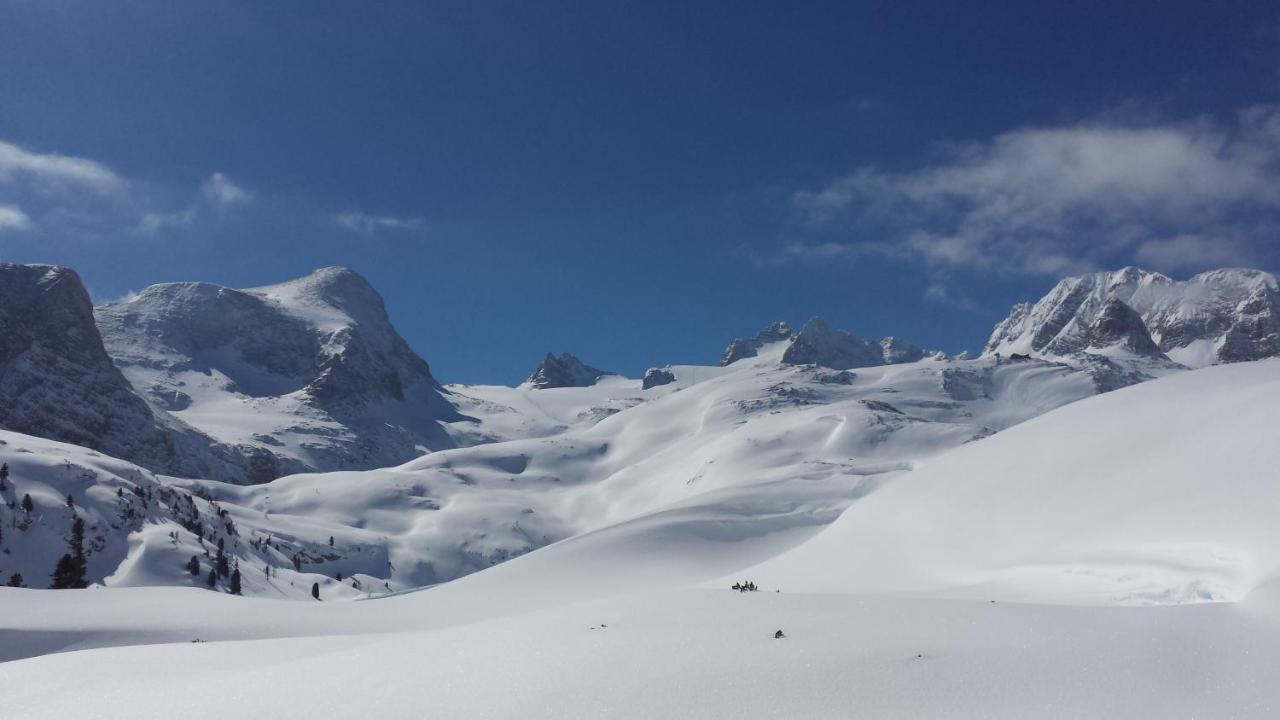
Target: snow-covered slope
x,y
1151,494
1220,316
1163,492
303,375
786,446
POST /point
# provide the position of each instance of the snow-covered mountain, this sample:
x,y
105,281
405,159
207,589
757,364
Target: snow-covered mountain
x,y
818,343
57,381
300,376
1220,316
564,371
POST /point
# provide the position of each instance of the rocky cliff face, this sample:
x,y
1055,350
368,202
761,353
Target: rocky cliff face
x,y
57,381
741,348
564,371
303,375
1219,316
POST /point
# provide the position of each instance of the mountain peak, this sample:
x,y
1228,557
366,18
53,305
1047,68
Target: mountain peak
x,y
1222,315
741,348
564,371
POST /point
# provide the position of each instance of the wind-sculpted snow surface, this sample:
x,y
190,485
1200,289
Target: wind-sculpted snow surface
x,y
1160,493
758,435
1156,494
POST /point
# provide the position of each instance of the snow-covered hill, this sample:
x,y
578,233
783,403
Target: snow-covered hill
x,y
1220,316
787,446
1155,494
304,375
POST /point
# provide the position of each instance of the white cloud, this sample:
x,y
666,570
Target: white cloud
x,y
13,218
154,222
57,171
1193,252
1053,200
368,224
220,191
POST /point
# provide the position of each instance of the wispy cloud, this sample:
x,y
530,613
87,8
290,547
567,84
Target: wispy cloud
x,y
217,193
1052,200
13,218
367,224
219,190
51,170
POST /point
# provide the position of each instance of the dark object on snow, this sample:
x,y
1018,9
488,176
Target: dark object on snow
x,y
747,586
654,377
1019,357
315,590
778,635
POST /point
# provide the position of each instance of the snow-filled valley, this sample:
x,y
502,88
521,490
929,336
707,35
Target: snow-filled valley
x,y
1086,529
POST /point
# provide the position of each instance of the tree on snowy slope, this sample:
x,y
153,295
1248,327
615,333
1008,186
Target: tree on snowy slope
x,y
15,580
69,572
235,581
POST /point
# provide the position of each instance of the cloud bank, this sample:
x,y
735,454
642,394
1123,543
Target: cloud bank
x,y
1054,200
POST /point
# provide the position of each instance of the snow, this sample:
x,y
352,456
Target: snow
x,y
1100,556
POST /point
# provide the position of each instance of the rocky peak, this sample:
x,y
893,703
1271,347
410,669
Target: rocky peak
x,y
1218,316
57,381
564,371
317,359
896,350
741,348
818,343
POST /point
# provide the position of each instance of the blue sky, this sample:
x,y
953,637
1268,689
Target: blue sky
x,y
639,182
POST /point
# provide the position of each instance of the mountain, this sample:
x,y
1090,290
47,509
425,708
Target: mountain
x,y
564,371
817,343
1219,316
303,375
57,381
742,348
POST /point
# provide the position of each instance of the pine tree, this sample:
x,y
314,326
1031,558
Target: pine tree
x,y
212,579
330,541
221,564
70,570
27,504
315,590
15,580
70,503
4,477
235,581
193,566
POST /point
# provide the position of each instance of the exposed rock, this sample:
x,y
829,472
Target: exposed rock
x,y
818,343
655,377
1219,316
896,350
313,364
741,348
564,371
57,381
